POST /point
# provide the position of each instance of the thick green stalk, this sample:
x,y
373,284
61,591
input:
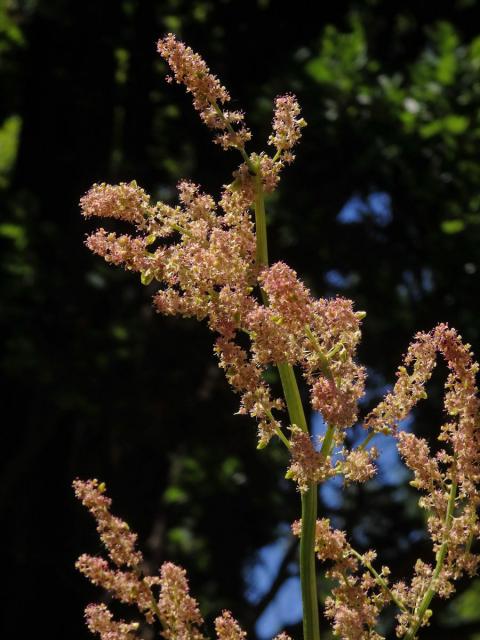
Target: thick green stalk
x,y
308,579
260,224
441,554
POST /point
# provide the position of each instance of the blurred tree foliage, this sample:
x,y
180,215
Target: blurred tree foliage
x,y
382,205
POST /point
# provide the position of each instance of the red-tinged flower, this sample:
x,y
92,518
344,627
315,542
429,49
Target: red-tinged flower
x,y
100,620
227,628
179,612
125,201
208,93
287,126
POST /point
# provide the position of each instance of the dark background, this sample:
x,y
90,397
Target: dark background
x,y
95,384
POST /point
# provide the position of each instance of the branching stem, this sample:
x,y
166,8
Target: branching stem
x,y
378,579
232,132
441,555
308,578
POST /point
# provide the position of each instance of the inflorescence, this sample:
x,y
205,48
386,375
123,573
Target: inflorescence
x,y
204,256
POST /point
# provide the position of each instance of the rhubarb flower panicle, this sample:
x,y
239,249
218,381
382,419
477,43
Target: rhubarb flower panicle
x,y
360,593
227,628
207,265
115,534
176,609
100,621
287,127
208,93
448,479
335,379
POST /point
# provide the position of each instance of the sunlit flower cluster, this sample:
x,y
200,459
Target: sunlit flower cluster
x,y
208,94
175,609
287,126
207,269
448,480
100,621
360,593
204,257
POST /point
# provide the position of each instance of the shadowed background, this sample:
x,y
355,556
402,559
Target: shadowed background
x,y
382,205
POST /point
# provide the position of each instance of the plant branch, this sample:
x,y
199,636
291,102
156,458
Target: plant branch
x,y
308,578
441,555
232,132
378,579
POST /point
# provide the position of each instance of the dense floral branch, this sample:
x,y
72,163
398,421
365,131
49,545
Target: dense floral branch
x,y
174,607
209,259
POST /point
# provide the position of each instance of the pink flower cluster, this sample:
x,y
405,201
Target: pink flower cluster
x,y
208,268
175,609
359,595
307,465
447,479
178,611
99,620
205,259
126,201
287,126
456,465
114,533
124,580
191,70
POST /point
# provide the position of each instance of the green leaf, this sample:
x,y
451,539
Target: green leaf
x,y
452,226
455,123
175,495
146,278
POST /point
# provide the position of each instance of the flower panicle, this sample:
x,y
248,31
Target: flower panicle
x,y
100,621
208,93
208,267
287,127
115,534
448,479
125,201
227,628
178,610
360,594
175,608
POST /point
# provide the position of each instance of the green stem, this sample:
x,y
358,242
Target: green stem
x,y
232,132
370,436
283,437
378,579
327,444
322,358
292,395
153,601
308,579
182,230
441,554
278,430
260,223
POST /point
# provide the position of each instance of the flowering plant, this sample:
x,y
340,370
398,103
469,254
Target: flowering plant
x,y
211,262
